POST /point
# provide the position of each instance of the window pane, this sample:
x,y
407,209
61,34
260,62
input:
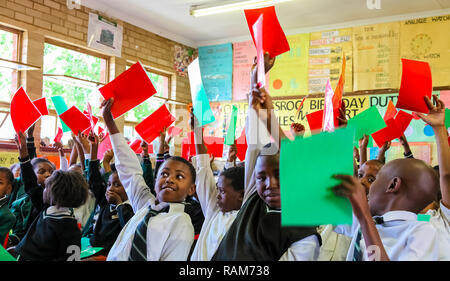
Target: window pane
x,y
48,127
58,60
129,133
7,46
6,87
8,77
7,130
161,84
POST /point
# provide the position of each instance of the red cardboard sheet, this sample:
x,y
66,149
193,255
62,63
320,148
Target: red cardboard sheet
x,y
41,105
339,91
415,85
104,146
315,119
75,120
402,121
185,148
390,111
173,131
241,146
274,40
58,136
136,146
214,146
129,89
394,129
23,112
258,36
151,126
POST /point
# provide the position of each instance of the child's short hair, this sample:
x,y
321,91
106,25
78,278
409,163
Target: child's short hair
x,y
9,174
186,162
270,149
237,177
67,189
36,161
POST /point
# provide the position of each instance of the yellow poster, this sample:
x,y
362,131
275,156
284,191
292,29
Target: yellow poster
x,y
8,158
376,54
289,76
325,59
426,39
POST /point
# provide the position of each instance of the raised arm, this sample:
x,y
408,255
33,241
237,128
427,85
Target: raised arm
x,y
63,163
407,150
382,152
147,168
96,183
127,164
363,143
436,119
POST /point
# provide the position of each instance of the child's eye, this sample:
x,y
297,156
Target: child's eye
x,y
164,174
180,177
371,180
360,175
260,178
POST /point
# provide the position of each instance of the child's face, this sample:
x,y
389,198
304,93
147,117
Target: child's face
x,y
5,185
174,182
228,199
43,171
115,186
367,174
267,171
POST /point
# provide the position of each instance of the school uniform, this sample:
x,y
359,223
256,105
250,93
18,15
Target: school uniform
x,y
440,219
169,234
111,218
50,236
334,246
256,233
216,222
404,238
7,219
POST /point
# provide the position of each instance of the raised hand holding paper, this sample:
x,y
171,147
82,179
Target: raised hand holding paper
x,y
416,84
151,126
75,120
306,195
23,112
129,90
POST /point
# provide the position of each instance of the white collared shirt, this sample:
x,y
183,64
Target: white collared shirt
x,y
216,222
404,237
169,235
440,219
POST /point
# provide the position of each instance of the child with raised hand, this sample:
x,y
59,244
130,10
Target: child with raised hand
x,y
386,225
115,209
256,233
220,202
7,219
160,229
54,195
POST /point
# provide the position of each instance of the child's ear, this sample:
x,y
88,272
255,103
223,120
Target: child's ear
x,y
191,190
394,185
241,195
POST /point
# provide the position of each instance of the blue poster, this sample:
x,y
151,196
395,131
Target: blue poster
x,y
216,67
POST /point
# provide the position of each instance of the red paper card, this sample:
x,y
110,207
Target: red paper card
x,y
41,105
390,111
241,146
136,146
58,136
94,120
274,40
388,133
151,126
214,146
185,148
104,146
75,120
315,119
23,112
339,91
402,121
173,131
415,85
129,89
258,36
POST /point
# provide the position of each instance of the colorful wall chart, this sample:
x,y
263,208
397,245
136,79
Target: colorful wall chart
x,y
426,39
289,76
216,67
376,56
326,49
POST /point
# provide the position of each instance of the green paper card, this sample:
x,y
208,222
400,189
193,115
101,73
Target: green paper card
x,y
423,217
202,109
447,118
366,123
86,249
5,256
306,167
231,133
61,107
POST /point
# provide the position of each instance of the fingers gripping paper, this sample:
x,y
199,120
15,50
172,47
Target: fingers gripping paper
x,y
306,195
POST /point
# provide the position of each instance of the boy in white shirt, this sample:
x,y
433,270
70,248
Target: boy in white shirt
x,y
403,187
160,229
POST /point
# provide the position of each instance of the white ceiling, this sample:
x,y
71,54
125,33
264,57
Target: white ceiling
x,y
171,18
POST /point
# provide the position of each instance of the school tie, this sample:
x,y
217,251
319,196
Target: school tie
x,y
138,250
357,253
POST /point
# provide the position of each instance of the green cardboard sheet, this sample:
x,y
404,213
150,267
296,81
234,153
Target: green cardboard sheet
x,y
306,167
231,133
5,256
367,122
61,107
447,118
86,249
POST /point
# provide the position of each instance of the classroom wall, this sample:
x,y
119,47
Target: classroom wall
x,y
40,19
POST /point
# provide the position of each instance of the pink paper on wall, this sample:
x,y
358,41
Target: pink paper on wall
x,y
415,85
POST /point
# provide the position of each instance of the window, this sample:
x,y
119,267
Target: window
x,y
9,78
75,75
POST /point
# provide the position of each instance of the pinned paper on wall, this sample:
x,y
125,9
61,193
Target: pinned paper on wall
x,y
60,107
75,120
313,198
415,85
150,128
258,36
41,105
129,89
23,112
200,103
231,132
274,41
